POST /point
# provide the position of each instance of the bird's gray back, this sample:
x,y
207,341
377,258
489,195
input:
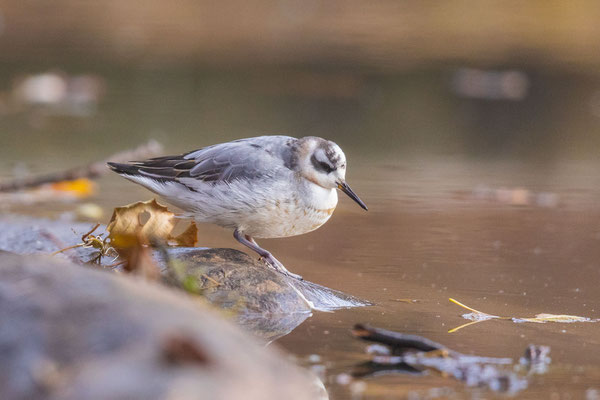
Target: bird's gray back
x,y
261,157
250,159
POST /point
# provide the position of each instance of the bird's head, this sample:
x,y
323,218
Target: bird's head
x,y
323,163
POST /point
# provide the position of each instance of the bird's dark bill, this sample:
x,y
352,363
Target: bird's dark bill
x,y
346,189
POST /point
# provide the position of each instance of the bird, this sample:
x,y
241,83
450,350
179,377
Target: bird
x,y
260,187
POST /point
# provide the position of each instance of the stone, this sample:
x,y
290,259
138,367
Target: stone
x,y
73,332
266,302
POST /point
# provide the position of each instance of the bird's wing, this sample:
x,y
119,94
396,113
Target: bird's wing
x,y
242,159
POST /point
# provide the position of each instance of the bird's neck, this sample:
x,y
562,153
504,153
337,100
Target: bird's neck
x,y
319,197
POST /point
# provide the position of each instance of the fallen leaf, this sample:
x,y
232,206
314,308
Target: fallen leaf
x,y
147,222
80,188
542,318
477,316
139,261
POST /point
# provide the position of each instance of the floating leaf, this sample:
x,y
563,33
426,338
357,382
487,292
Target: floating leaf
x,y
146,222
565,319
477,316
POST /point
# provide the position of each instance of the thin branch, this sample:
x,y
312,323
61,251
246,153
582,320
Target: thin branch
x,y
91,171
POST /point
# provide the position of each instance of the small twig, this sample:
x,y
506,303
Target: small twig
x,y
84,238
67,248
400,343
115,265
85,235
91,171
58,243
217,283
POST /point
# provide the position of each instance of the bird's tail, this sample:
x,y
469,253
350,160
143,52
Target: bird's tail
x,y
124,169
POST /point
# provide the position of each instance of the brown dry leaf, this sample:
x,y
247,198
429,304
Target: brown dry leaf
x,y
139,261
147,222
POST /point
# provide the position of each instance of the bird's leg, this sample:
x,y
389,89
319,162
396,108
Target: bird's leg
x,y
264,254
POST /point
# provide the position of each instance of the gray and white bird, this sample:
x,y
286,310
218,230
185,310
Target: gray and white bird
x,y
261,187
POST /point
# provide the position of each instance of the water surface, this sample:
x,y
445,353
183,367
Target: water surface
x,y
512,233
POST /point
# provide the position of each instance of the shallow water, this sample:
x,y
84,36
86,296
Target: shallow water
x,y
433,242
510,236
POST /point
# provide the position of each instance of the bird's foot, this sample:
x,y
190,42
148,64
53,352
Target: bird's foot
x,y
278,266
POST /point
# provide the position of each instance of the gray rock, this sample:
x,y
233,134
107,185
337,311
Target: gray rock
x,y
26,235
233,280
72,332
241,276
266,302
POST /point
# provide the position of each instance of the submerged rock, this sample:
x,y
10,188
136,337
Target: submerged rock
x,y
227,275
77,333
232,280
268,303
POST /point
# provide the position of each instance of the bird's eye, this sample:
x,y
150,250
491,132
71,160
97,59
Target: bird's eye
x,y
321,165
326,167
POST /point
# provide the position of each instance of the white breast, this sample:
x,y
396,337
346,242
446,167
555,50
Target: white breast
x,y
309,207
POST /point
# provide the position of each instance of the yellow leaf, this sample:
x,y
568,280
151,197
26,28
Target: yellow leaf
x,y
79,187
145,222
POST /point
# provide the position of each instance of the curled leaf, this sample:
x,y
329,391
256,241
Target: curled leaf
x,y
147,222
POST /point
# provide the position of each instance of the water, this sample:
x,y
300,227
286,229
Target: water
x,y
509,232
436,243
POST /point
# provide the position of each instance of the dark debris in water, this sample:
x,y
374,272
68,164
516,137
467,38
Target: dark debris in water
x,y
416,355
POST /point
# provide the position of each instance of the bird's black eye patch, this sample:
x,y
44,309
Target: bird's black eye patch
x,y
326,167
321,165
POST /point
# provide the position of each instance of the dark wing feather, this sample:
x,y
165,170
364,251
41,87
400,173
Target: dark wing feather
x,y
226,162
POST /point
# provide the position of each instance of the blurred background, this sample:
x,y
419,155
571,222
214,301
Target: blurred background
x,y
492,79
472,131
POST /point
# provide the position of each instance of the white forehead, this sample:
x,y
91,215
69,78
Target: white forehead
x,y
331,154
338,153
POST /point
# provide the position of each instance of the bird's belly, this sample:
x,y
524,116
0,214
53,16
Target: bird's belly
x,y
286,220
277,209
